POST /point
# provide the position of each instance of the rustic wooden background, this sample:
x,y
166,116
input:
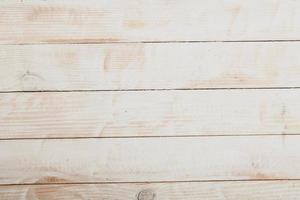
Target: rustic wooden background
x,y
150,99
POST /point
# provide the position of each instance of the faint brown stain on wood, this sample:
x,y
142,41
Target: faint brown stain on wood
x,y
259,175
37,11
71,55
134,24
67,58
106,61
255,174
29,104
225,80
234,11
138,124
256,171
130,57
51,179
63,14
41,192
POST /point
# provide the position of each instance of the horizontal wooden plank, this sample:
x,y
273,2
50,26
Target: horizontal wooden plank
x,y
149,66
37,21
149,159
149,113
262,190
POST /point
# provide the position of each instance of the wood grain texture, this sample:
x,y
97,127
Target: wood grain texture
x,y
149,113
149,159
149,66
117,146
262,190
37,21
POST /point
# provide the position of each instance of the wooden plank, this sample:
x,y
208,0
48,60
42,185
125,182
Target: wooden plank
x,y
149,159
37,21
263,190
149,113
149,66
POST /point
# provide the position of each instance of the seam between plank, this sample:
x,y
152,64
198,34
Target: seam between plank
x,y
147,42
161,89
149,182
153,136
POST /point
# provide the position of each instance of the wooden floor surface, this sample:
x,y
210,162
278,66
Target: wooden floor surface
x,y
149,100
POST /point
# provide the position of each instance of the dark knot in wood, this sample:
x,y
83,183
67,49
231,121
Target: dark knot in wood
x,y
146,195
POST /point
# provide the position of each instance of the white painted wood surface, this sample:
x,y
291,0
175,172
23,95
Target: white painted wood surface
x,y
149,66
157,145
149,113
90,21
241,190
149,159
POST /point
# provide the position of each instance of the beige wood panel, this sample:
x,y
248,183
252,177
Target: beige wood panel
x,y
262,190
149,113
149,66
37,21
149,159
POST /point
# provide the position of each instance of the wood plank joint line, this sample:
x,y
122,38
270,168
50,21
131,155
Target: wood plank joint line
x,y
153,42
162,89
151,182
151,136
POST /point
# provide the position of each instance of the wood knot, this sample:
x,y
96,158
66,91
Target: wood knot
x,y
30,80
146,195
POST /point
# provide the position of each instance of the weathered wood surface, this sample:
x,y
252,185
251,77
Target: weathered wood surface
x,y
262,190
149,159
149,113
157,45
149,66
65,21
